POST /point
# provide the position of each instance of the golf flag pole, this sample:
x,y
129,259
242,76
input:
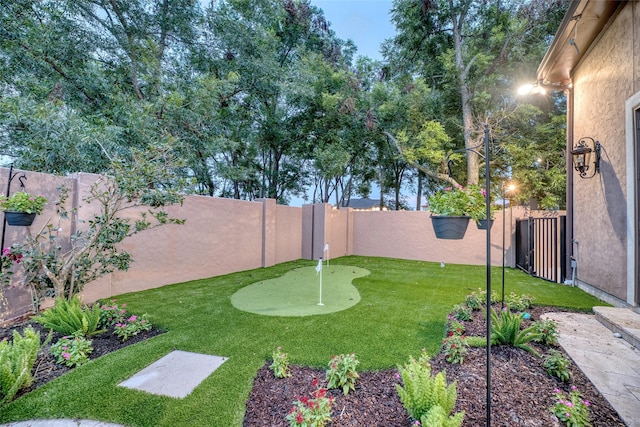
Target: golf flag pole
x,y
326,250
319,271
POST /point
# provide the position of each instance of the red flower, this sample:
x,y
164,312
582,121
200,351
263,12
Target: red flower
x,y
314,382
299,418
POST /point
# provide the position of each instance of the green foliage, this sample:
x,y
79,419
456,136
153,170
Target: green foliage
x,y
22,202
478,299
16,362
454,327
505,329
461,312
459,201
421,391
69,317
518,302
342,372
573,411
311,412
111,313
438,417
280,365
547,330
72,351
455,348
557,365
474,341
132,326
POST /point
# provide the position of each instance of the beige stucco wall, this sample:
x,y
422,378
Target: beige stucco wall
x,y
602,82
410,235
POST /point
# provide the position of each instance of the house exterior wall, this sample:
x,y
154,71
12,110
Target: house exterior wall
x,y
605,78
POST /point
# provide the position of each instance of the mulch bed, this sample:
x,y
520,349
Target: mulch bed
x,y
522,392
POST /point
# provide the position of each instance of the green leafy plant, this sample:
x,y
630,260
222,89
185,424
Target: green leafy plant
x,y
311,412
518,302
505,329
280,365
342,372
573,411
478,299
547,330
420,391
459,201
22,202
557,365
454,327
476,341
132,326
437,417
72,351
69,317
110,314
461,312
455,348
16,362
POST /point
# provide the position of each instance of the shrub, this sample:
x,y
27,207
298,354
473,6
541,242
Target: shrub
x,y
505,329
16,362
132,327
280,365
421,391
461,312
557,365
72,351
311,412
455,348
572,411
518,302
342,372
547,329
110,314
69,317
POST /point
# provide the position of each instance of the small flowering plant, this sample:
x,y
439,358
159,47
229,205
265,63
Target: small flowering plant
x,y
311,412
111,314
460,201
280,365
131,327
342,372
72,351
455,348
22,202
573,411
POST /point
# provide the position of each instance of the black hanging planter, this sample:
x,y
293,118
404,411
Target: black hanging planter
x,y
450,227
19,218
482,224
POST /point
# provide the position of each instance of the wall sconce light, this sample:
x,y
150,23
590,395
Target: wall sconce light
x,y
582,156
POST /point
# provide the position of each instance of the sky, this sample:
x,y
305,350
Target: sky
x,y
366,22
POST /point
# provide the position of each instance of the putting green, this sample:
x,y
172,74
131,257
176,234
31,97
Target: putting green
x,y
297,293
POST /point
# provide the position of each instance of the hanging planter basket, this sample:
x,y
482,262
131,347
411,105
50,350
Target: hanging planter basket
x,y
19,218
450,227
482,224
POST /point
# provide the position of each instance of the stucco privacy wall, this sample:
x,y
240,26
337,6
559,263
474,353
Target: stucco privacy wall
x,y
410,235
602,82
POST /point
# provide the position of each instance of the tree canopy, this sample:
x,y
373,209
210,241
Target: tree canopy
x,y
260,98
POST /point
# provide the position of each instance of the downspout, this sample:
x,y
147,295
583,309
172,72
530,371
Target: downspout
x,y
569,241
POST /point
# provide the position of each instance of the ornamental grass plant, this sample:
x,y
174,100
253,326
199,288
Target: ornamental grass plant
x,y
405,302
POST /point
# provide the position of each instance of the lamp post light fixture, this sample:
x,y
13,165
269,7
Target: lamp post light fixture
x,y
582,152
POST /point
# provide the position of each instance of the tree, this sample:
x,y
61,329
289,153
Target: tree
x,y
143,186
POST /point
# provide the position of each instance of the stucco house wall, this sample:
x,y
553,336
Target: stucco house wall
x,y
602,82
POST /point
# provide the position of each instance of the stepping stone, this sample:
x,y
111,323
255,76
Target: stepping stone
x,y
175,375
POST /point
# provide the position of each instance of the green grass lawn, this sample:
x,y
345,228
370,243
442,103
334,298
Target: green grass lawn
x,y
403,309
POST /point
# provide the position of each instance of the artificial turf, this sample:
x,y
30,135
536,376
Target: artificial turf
x,y
403,308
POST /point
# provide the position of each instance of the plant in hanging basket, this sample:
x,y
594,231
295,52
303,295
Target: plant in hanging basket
x,y
21,208
466,203
22,201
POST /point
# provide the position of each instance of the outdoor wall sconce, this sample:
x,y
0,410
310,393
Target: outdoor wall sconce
x,y
582,156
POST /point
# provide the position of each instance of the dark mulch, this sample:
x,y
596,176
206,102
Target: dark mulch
x,y
46,369
521,391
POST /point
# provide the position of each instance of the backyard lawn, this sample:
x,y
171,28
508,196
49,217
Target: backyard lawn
x,y
403,308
